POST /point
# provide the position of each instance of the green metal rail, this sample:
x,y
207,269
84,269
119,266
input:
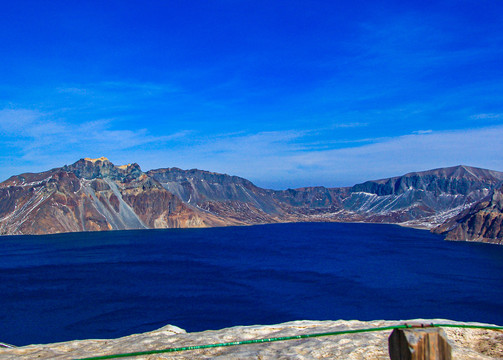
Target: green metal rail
x,y
285,338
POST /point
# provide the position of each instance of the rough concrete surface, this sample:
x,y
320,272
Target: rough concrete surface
x,y
467,344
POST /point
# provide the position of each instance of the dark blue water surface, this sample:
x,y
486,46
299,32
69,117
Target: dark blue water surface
x,y
110,284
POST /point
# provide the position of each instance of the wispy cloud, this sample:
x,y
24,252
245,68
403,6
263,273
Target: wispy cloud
x,y
41,138
17,120
110,97
275,159
145,87
350,125
490,116
119,86
411,41
73,90
399,155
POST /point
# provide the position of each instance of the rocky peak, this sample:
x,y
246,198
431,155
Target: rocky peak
x,y
97,159
102,168
129,172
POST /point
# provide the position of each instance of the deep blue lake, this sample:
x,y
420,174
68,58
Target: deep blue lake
x,y
110,284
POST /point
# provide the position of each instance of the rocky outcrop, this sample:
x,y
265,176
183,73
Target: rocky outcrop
x,y
96,195
467,344
481,222
102,168
91,195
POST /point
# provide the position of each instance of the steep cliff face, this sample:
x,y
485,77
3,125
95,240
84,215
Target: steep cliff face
x,y
95,195
232,198
91,195
481,222
50,202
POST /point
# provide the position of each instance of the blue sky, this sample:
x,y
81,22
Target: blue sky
x,y
284,93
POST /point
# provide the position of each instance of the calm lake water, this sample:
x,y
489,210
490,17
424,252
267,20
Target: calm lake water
x,y
110,284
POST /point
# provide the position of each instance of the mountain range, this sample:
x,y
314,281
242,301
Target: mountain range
x,y
461,202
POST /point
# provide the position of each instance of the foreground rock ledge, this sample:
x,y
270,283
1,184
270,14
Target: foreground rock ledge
x,y
467,344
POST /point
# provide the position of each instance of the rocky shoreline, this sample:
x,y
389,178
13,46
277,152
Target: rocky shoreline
x,y
467,344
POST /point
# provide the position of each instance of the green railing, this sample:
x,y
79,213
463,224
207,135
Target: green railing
x,y
284,338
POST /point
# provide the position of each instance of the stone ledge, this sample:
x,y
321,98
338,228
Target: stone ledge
x,y
467,344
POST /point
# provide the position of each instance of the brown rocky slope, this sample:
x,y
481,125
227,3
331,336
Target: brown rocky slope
x,y
91,195
481,222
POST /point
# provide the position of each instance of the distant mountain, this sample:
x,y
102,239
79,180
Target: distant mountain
x,y
95,195
421,199
483,221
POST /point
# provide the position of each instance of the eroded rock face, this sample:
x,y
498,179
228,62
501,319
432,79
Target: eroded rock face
x,y
91,195
423,199
197,187
51,203
467,344
481,222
